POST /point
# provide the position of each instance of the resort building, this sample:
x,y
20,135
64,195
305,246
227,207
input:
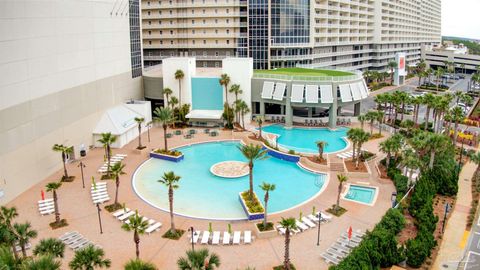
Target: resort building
x,y
348,35
453,56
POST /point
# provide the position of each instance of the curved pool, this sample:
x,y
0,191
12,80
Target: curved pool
x,y
303,139
204,195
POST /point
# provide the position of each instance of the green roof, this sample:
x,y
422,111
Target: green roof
x,y
304,72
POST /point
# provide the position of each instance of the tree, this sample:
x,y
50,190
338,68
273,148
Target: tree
x,y
352,135
235,88
288,224
137,264
341,179
321,146
252,153
259,121
380,116
387,148
7,215
362,118
371,116
88,258
228,115
224,81
107,140
138,225
199,259
53,187
392,65
24,233
416,101
267,188
243,107
410,161
438,74
165,117
179,76
429,100
7,260
435,143
173,102
362,137
139,121
167,92
457,116
47,262
50,246
170,180
65,150
117,170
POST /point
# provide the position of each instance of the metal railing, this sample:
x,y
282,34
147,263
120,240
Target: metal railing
x,y
305,78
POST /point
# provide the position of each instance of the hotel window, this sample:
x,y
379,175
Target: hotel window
x,y
171,42
171,32
204,41
216,53
227,10
228,41
159,22
170,12
149,22
171,22
150,42
193,21
204,64
204,11
194,53
228,31
193,41
216,31
193,31
161,41
203,21
148,3
227,54
193,11
216,64
205,53
161,53
216,21
172,54
148,13
216,41
149,32
161,32
228,20
216,11
160,12
170,2
135,41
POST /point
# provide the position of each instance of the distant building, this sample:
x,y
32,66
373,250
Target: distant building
x,y
456,54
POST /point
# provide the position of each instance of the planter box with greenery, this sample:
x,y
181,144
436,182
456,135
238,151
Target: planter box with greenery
x,y
170,155
283,156
253,209
265,233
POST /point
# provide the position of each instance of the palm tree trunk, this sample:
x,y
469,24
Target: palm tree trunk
x,y
403,112
387,163
226,95
427,117
170,200
55,202
108,159
64,159
432,159
24,250
165,137
354,150
243,121
337,207
117,185
136,239
265,217
357,160
260,130
180,93
286,262
139,136
14,249
455,132
250,191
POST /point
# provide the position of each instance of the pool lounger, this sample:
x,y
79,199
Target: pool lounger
x,y
347,243
226,238
330,259
236,238
79,243
341,248
67,235
98,187
354,237
73,239
121,155
308,222
47,212
46,207
281,230
82,245
313,218
216,238
205,238
326,217
102,200
196,235
126,215
300,225
336,253
154,227
98,184
98,193
45,201
120,212
247,237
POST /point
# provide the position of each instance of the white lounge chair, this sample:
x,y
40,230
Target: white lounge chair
x,y
216,238
196,235
330,259
78,243
99,187
226,238
73,239
205,238
236,238
45,201
80,246
99,184
300,225
101,200
281,230
354,238
347,243
46,207
313,218
120,212
326,217
121,155
47,212
67,235
336,253
99,193
247,237
154,227
341,248
308,222
126,215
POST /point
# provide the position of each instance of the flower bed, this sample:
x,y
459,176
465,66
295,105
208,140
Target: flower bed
x,y
171,155
254,209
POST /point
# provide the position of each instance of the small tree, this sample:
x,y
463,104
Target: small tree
x,y
199,259
267,188
252,153
53,187
42,262
8,236
138,264
89,258
65,151
138,225
165,117
170,180
24,233
341,179
167,92
139,121
107,140
259,120
321,146
235,88
179,76
288,224
392,65
50,246
117,170
225,81
243,110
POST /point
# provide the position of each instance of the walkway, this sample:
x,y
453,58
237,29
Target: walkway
x,y
455,236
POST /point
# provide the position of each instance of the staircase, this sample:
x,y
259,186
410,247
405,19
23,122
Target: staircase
x,y
337,167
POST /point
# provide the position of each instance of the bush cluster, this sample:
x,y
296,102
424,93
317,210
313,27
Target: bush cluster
x,y
254,205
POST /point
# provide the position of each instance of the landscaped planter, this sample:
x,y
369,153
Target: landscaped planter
x,y
278,154
250,216
265,234
166,157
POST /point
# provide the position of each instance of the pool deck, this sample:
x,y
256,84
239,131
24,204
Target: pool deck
x,y
76,206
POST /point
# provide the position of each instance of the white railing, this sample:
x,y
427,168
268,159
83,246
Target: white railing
x,y
306,78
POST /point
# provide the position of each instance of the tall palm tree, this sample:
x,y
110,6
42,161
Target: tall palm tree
x,y
410,161
362,118
170,180
457,116
371,116
362,137
167,92
321,146
435,143
243,110
438,74
366,75
199,259
50,246
137,264
387,148
341,179
259,120
65,151
416,102
224,81
392,65
173,102
267,188
288,224
107,140
89,258
380,116
117,170
46,262
53,187
404,99
235,88
139,121
352,135
24,233
252,153
7,215
138,225
429,100
165,117
179,75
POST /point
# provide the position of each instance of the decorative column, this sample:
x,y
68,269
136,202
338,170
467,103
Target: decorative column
x,y
357,108
288,106
310,112
332,119
262,108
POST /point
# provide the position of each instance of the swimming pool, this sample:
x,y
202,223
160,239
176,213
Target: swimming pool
x,y
303,139
203,195
361,194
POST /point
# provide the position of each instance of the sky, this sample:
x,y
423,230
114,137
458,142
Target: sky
x,y
461,18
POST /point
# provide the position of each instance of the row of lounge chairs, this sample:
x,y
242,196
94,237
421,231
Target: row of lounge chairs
x,y
342,247
75,240
345,155
124,215
99,192
46,207
315,123
116,158
306,222
344,122
277,119
214,238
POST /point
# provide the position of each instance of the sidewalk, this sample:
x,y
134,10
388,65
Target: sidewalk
x,y
455,236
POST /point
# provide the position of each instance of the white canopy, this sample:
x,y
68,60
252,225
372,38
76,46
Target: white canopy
x,y
279,91
326,93
267,90
117,120
297,93
311,93
205,114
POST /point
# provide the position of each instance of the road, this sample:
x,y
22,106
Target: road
x,y
472,252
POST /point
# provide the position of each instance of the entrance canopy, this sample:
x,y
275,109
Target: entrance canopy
x,y
205,114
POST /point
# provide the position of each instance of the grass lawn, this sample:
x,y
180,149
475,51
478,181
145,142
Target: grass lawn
x,y
303,72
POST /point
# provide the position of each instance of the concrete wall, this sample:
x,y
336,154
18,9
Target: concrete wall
x,y
169,67
240,71
153,87
62,63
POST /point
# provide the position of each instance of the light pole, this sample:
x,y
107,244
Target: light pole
x,y
148,130
81,165
192,231
447,209
394,199
99,217
318,232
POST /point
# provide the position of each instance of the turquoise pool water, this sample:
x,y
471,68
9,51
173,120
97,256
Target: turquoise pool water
x,y
303,139
361,194
201,194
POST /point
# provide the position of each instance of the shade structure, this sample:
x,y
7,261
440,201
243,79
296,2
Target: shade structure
x,y
205,114
297,93
267,90
311,94
326,95
279,91
345,93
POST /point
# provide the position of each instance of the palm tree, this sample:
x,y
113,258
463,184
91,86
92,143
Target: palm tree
x,y
362,137
139,121
107,140
457,116
429,101
173,102
462,66
380,116
366,75
267,188
387,148
65,150
224,81
362,118
165,117
288,224
341,179
199,259
179,76
53,187
243,110
392,65
167,92
321,146
259,120
371,116
50,246
352,135
416,102
138,225
7,260
170,180
252,153
117,170
7,215
136,264
235,88
404,99
46,262
24,234
438,74
435,143
410,161
89,258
